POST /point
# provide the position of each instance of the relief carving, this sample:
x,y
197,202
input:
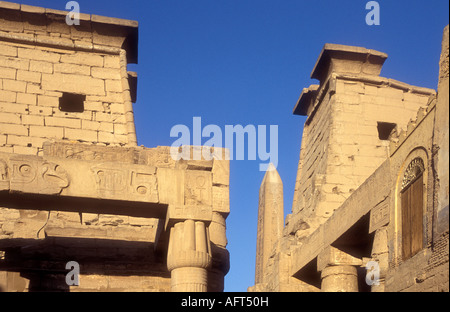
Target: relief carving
x,y
120,183
55,178
4,176
179,213
109,181
34,176
221,199
86,152
23,171
198,186
144,184
379,216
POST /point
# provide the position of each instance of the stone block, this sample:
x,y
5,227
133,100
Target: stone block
x,y
82,58
14,85
29,76
97,126
16,63
51,101
46,132
113,85
333,256
198,188
8,96
69,68
8,50
9,5
25,150
370,90
8,73
351,99
111,61
13,129
3,139
13,107
6,149
108,117
221,171
379,216
10,118
97,106
33,88
391,93
221,199
81,134
63,122
25,141
354,87
73,83
217,230
38,55
40,110
120,129
117,108
42,67
171,186
32,120
105,73
25,98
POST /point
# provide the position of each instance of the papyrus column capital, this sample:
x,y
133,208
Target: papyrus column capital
x,y
189,256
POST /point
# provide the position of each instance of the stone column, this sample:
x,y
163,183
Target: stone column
x,y
380,254
189,256
339,270
339,278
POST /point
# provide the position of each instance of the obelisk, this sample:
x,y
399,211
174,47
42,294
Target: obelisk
x,y
270,219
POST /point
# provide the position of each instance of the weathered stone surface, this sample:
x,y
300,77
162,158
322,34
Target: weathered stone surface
x,y
362,136
73,182
442,137
270,220
331,256
339,279
189,256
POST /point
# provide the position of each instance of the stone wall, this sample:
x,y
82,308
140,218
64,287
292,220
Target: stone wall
x,y
42,59
74,186
344,138
362,134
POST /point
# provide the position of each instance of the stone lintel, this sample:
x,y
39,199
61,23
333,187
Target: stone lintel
x,y
182,213
187,192
347,59
332,256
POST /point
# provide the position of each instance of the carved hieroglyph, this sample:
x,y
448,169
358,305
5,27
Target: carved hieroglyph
x,y
29,174
112,181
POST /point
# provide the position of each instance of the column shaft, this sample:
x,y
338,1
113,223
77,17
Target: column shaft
x,y
342,278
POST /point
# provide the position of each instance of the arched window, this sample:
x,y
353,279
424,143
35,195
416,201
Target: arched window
x,y
412,208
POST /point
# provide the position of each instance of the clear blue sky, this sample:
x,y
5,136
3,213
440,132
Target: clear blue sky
x,y
245,62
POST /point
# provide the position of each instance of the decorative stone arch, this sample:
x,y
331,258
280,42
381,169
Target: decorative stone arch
x,y
415,169
410,204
